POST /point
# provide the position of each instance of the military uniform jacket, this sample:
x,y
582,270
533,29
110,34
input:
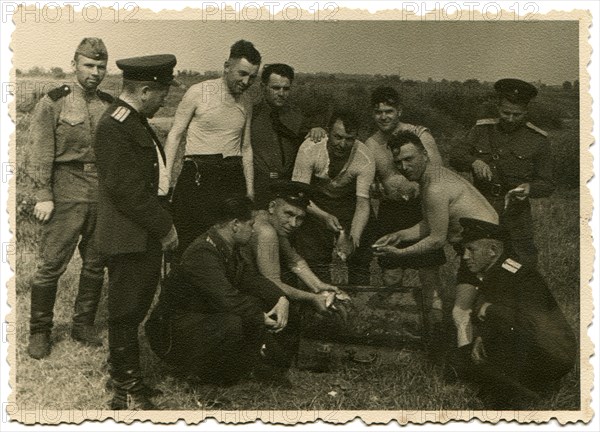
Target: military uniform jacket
x,y
521,156
213,278
524,322
130,215
276,137
61,137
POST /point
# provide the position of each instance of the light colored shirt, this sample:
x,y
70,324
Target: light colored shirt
x,y
313,159
218,122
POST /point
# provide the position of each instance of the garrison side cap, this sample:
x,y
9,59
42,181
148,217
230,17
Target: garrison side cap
x,y
92,47
293,192
155,68
475,229
515,90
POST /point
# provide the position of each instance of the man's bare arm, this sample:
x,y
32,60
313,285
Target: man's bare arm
x,y
360,219
248,156
183,116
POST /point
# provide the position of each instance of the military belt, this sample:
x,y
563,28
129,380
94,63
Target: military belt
x,y
79,166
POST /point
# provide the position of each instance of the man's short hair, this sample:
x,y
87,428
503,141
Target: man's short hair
x,y
245,49
132,86
403,138
236,207
348,117
280,69
386,95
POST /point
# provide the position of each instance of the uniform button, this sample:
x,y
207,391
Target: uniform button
x,y
155,164
512,329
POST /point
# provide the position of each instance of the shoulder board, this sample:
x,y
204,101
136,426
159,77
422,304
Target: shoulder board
x,y
487,121
59,92
511,265
536,129
210,241
120,113
105,96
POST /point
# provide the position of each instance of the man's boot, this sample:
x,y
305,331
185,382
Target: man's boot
x,y
126,381
86,305
40,322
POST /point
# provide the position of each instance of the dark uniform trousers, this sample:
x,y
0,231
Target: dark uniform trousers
x,y
60,237
133,280
205,180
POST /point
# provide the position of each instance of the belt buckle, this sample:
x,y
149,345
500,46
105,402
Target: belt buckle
x,y
89,167
496,189
274,175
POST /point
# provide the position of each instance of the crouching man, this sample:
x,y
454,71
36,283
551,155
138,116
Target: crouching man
x,y
523,342
276,259
214,310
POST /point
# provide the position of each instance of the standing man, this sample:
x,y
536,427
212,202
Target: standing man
x,y
445,198
400,204
215,116
524,344
278,129
134,227
341,169
66,188
511,162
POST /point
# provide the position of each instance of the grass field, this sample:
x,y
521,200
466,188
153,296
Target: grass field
x,y
73,377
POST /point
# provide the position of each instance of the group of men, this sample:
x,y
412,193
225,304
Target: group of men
x,y
261,201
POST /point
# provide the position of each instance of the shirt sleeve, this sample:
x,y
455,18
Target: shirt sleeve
x,y
43,145
542,184
303,168
365,166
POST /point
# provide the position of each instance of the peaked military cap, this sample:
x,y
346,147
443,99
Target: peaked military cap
x,y
92,47
293,192
157,68
515,90
475,229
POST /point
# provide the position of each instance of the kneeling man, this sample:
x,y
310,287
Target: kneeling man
x,y
524,343
211,317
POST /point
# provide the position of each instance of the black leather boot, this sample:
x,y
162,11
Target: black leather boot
x,y
40,322
86,305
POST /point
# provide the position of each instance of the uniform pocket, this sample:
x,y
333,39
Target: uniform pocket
x,y
72,120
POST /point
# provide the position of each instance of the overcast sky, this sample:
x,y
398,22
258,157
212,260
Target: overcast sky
x,y
546,51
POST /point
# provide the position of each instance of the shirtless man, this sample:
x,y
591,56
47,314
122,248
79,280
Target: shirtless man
x,y
278,261
446,197
399,203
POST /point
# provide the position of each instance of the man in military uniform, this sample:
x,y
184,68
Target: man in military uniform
x,y
523,342
62,133
511,162
215,308
278,128
134,226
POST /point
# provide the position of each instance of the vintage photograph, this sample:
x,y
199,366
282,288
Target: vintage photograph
x,y
312,216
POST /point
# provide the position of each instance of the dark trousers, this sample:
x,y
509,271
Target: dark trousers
x,y
214,348
73,225
203,183
518,221
132,282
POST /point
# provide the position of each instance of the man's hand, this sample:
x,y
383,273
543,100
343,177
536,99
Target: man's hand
x,y
322,286
319,301
276,319
482,170
478,353
170,241
391,239
316,134
482,310
386,251
332,223
520,192
43,210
